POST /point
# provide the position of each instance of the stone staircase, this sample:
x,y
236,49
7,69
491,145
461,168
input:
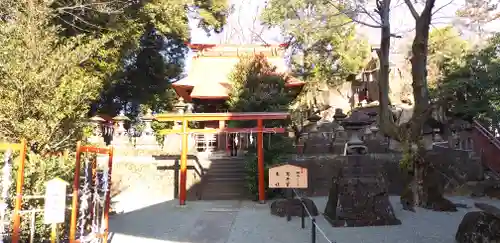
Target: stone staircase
x,y
225,180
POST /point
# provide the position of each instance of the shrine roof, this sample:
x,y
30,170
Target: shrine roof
x,y
208,74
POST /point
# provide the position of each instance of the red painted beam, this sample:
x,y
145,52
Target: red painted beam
x,y
236,116
227,130
92,149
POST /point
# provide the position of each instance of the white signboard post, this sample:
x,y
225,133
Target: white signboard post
x,y
55,204
287,176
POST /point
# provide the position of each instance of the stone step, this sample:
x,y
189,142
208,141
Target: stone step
x,y
225,178
224,190
224,196
226,169
226,166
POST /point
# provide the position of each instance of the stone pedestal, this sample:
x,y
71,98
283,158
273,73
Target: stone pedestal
x,y
359,196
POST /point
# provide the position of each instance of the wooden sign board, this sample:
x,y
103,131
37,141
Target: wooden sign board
x,y
287,176
55,201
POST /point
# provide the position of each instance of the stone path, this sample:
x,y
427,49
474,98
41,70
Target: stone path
x,y
248,222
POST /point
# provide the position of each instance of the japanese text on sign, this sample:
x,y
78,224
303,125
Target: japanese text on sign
x,y
55,202
287,176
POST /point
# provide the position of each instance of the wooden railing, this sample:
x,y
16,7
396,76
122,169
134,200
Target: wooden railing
x,y
487,146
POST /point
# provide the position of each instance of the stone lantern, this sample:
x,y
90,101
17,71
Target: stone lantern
x,y
338,117
179,107
353,124
436,135
372,129
147,138
97,134
120,137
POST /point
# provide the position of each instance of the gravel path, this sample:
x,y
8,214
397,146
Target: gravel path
x,y
248,222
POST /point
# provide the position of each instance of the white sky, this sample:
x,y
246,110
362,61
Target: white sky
x,y
242,20
242,23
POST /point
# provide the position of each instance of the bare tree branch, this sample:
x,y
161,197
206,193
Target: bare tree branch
x,y
412,9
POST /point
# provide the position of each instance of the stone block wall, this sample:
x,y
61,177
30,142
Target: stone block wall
x,y
156,176
450,162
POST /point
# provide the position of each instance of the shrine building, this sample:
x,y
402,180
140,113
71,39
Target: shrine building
x,y
207,84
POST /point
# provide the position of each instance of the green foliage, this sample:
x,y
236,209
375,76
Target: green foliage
x,y
275,153
45,88
257,88
469,87
324,44
444,44
38,171
146,81
57,57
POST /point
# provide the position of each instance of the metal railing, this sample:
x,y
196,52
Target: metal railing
x,y
488,147
315,228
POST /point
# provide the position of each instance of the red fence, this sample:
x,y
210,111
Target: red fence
x,y
486,145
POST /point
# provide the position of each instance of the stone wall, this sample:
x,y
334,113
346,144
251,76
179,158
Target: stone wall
x,y
156,176
453,164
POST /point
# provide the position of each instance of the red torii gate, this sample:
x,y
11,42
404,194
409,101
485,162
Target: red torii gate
x,y
221,117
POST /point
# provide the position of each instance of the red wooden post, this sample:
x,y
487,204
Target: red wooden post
x,y
183,177
108,195
260,161
74,206
19,192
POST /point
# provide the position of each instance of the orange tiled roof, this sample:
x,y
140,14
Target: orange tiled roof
x,y
210,69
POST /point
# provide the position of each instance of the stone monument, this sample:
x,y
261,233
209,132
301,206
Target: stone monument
x,y
359,192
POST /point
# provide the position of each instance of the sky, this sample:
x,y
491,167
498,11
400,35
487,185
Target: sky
x,y
242,23
246,11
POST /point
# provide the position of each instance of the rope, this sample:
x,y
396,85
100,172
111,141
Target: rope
x,y
311,217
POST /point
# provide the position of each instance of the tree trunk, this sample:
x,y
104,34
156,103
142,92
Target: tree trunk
x,y
387,124
421,109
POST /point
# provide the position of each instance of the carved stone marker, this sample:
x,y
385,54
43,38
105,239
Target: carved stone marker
x,y
359,195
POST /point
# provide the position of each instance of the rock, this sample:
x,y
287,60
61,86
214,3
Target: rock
x,y
279,207
489,188
478,227
488,208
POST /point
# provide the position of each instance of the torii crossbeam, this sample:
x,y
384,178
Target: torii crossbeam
x,y
238,116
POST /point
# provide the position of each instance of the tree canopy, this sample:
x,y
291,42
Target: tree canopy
x,y
323,43
469,86
58,57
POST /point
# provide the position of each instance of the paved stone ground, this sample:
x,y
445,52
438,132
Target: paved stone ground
x,y
248,222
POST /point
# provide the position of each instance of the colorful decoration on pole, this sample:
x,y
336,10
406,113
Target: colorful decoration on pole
x,y
4,204
9,148
91,199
